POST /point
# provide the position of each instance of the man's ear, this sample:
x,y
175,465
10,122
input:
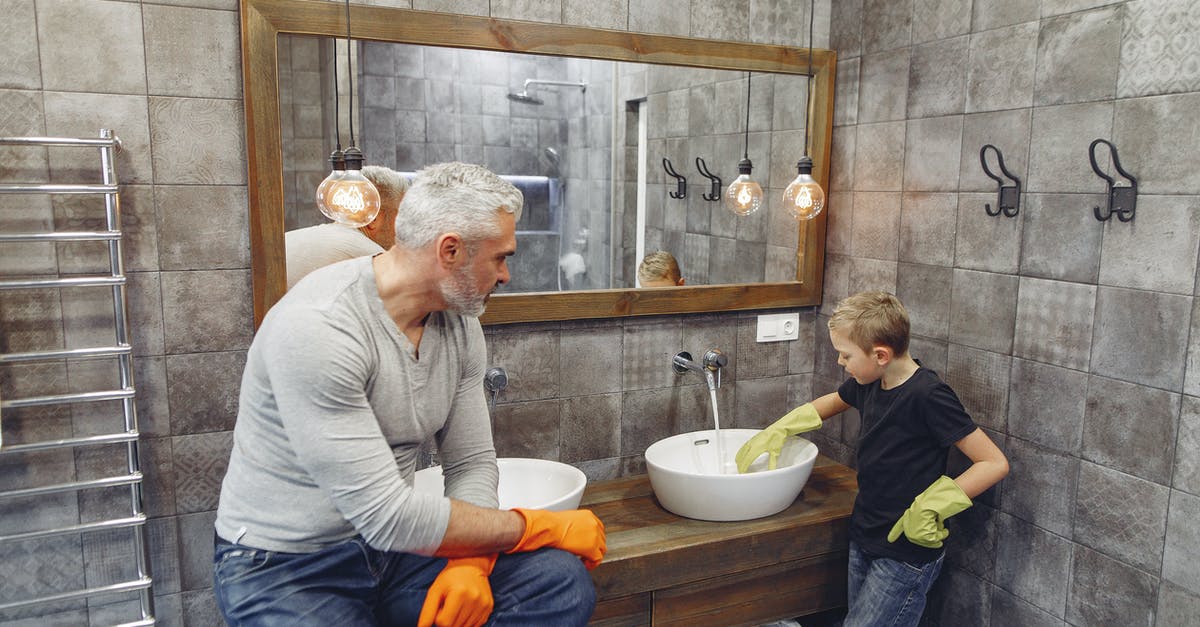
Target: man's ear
x,y
451,249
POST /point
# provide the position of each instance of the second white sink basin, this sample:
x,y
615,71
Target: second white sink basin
x,y
524,482
688,480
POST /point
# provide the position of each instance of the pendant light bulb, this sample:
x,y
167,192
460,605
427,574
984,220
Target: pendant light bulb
x,y
743,196
350,199
337,162
804,198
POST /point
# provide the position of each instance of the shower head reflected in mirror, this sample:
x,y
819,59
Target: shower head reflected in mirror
x,y
527,98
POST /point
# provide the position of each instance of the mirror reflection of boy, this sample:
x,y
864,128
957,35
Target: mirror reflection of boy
x,y
659,269
910,418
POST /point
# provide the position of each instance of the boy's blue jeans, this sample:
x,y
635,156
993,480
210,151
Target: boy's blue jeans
x,y
883,591
352,584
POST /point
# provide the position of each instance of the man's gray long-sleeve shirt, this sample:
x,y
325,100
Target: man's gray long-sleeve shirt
x,y
334,406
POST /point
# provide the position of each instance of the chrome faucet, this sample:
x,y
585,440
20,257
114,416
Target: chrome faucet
x,y
711,363
494,380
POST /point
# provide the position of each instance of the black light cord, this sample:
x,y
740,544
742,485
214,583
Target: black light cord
x,y
808,77
746,152
350,71
337,123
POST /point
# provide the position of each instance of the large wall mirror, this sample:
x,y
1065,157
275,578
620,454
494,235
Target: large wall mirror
x,y
580,119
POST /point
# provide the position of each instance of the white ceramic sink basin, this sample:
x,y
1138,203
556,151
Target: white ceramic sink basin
x,y
524,482
688,481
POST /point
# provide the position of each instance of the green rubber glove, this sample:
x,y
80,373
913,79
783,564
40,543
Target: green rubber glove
x,y
922,523
770,440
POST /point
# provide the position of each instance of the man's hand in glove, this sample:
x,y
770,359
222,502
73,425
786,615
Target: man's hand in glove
x,y
576,531
460,596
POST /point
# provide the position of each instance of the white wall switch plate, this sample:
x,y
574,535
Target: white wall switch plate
x,y
778,327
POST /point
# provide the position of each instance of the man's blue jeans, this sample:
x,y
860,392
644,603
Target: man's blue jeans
x,y
884,591
352,584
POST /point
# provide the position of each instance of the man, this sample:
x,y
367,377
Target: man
x,y
316,246
349,373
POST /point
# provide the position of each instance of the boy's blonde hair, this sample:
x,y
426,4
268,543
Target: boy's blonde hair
x,y
871,319
657,266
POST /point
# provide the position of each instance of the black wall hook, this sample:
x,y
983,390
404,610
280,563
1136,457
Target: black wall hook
x,y
1122,200
680,181
1008,199
715,194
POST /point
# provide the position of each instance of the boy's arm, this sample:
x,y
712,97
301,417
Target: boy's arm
x,y
830,405
989,463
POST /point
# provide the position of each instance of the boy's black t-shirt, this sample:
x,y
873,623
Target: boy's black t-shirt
x,y
903,443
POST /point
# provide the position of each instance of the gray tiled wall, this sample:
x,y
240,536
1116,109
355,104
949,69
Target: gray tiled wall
x,y
1071,341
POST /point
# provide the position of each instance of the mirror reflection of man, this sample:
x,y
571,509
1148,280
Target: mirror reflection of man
x,y
659,269
355,367
313,247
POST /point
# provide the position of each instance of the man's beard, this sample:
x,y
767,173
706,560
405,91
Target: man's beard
x,y
461,296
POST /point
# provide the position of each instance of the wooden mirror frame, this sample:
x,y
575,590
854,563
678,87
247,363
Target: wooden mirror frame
x,y
263,21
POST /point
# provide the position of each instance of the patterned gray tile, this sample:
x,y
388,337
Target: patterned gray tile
x,y
462,7
1104,591
1181,559
529,10
35,568
108,557
1061,239
760,403
1040,412
205,60
1058,151
980,379
528,429
937,77
71,32
648,416
1054,322
70,114
191,237
651,16
1078,57
882,87
971,544
845,99
1032,563
1158,49
200,608
1133,347
713,19
1041,486
202,389
876,225
24,69
879,155
940,19
647,348
590,427
579,347
752,359
1002,68
800,352
958,598
983,310
933,354
1008,131
846,27
1009,609
196,551
927,228
837,281
1149,132
1187,448
28,318
872,274
200,462
1157,251
1176,606
191,323
923,291
931,154
983,242
139,244
719,331
1121,515
989,14
887,25
604,14
1140,447
197,140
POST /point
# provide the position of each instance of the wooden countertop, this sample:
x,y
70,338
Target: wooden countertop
x,y
651,549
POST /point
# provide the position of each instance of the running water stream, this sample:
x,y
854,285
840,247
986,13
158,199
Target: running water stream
x,y
723,464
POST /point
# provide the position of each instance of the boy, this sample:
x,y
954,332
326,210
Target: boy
x,y
909,420
659,269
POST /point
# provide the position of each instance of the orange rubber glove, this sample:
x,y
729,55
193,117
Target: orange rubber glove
x,y
460,596
576,531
